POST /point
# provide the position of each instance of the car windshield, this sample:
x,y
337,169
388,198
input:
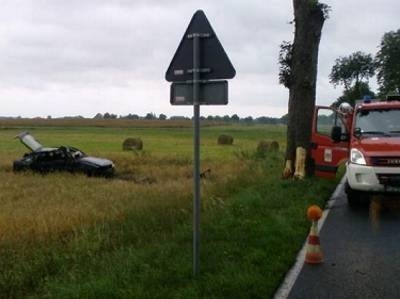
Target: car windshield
x,y
75,153
30,142
378,122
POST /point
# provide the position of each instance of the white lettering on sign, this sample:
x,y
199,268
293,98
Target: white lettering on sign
x,y
327,155
178,72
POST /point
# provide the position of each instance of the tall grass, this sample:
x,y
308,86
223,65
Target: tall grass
x,y
69,236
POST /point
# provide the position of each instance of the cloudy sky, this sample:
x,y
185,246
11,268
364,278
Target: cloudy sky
x,y
80,57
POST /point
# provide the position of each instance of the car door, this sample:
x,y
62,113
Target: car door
x,y
327,153
58,160
47,161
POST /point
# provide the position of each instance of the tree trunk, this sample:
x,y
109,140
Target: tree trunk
x,y
309,17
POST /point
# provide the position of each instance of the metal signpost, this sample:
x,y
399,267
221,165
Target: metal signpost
x,y
199,58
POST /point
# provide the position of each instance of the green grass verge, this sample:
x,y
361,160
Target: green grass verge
x,y
252,228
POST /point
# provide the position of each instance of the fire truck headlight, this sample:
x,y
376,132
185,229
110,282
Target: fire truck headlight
x,y
357,157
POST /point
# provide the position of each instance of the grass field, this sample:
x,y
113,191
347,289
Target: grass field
x,y
70,236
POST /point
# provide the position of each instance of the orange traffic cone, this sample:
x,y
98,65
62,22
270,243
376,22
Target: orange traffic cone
x,y
313,250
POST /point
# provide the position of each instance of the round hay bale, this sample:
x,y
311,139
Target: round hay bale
x,y
267,146
131,144
274,146
263,147
225,139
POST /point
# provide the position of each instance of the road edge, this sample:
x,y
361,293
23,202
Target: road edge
x,y
291,276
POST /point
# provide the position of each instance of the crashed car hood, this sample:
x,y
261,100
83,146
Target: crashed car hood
x,y
96,161
29,141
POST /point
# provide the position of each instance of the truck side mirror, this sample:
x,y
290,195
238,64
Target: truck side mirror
x,y
357,132
336,133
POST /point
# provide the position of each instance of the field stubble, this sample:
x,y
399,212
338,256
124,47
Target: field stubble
x,y
36,206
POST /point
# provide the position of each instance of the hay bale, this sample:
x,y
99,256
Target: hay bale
x,y
132,144
274,146
265,146
225,139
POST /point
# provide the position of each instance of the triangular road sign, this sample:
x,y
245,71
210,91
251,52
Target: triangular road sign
x,y
214,63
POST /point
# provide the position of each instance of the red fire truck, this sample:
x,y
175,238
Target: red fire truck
x,y
366,139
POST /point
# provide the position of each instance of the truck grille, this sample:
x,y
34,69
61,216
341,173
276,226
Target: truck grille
x,y
392,180
386,161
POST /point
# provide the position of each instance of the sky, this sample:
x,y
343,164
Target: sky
x,y
82,57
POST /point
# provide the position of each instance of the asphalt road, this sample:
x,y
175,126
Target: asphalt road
x,y
361,249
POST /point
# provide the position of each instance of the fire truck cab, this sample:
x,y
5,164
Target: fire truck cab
x,y
366,139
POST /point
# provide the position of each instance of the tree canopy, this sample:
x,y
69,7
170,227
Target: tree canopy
x,y
356,92
354,68
354,71
285,63
387,63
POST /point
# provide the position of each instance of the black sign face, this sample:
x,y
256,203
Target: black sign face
x,y
210,93
214,63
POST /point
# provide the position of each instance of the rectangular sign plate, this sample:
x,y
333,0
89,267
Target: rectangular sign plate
x,y
210,93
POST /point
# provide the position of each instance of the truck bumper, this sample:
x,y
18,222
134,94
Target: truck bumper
x,y
372,178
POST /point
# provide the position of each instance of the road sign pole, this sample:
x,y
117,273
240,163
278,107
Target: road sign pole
x,y
196,151
194,62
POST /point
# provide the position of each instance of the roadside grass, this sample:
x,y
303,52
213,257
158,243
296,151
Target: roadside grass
x,y
68,236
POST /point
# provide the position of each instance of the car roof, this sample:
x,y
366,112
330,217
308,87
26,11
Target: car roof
x,y
47,149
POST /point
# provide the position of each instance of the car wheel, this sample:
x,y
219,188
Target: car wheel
x,y
109,173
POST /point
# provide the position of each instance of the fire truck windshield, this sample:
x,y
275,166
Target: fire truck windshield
x,y
378,122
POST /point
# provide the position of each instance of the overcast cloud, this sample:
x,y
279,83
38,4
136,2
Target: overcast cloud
x,y
60,57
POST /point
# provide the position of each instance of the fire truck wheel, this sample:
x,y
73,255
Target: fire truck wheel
x,y
355,198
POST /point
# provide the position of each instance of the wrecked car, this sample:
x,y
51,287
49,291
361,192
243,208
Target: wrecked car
x,y
63,158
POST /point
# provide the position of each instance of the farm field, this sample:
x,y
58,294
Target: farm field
x,y
71,236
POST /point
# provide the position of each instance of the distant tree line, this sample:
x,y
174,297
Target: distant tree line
x,y
152,116
216,118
